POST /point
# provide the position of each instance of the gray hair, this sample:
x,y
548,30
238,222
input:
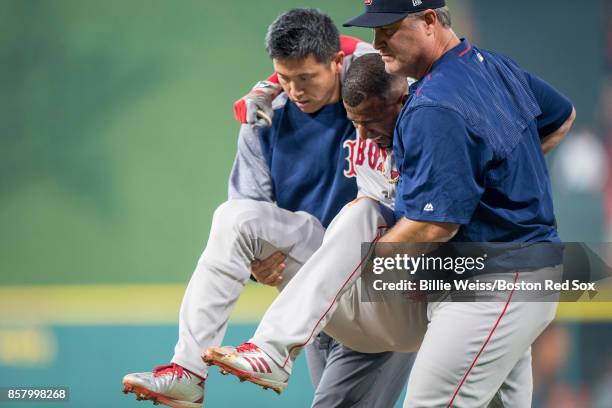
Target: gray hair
x,y
302,32
443,14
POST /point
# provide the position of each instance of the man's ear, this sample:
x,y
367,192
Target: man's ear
x,y
338,62
430,19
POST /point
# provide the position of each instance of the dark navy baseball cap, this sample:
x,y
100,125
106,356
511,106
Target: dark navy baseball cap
x,y
379,13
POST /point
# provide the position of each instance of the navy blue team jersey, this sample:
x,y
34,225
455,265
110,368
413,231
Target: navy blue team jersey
x,y
468,147
307,159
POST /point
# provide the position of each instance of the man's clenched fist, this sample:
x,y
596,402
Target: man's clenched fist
x,y
269,271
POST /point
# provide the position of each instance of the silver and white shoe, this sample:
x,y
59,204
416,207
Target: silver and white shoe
x,y
171,385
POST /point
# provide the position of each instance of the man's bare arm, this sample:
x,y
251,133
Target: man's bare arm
x,y
551,141
406,230
409,231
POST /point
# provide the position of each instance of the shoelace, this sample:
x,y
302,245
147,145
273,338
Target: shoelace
x,y
177,370
173,369
246,347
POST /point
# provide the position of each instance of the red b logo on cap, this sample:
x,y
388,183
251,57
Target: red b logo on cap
x,y
368,2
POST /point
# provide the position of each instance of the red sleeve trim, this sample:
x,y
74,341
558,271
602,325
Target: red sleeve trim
x,y
273,78
348,44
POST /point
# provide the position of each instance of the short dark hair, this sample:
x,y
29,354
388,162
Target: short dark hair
x,y
301,32
367,78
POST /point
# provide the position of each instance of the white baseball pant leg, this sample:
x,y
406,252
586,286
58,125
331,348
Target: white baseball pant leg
x,y
325,287
477,354
241,231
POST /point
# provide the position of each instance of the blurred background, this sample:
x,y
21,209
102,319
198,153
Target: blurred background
x,y
116,141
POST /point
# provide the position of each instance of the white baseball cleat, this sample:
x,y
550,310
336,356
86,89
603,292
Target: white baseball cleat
x,y
171,385
248,363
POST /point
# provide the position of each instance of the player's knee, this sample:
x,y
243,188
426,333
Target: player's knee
x,y
230,209
364,212
364,199
364,205
236,217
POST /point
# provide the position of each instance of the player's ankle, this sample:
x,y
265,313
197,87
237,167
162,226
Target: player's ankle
x,y
202,378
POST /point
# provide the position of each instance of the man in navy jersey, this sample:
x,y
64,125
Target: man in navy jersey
x,y
287,183
469,145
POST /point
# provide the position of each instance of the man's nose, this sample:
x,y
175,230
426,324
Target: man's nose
x,y
296,90
378,41
362,132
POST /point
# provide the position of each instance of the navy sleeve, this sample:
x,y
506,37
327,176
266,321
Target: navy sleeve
x,y
441,168
556,108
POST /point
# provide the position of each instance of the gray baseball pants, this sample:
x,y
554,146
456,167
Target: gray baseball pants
x,y
244,230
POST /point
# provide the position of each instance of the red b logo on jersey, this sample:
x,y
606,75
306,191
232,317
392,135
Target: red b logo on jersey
x,y
368,2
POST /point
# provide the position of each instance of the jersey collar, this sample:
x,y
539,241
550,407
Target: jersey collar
x,y
459,51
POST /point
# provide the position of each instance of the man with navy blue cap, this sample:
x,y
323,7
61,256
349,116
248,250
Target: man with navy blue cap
x,y
470,146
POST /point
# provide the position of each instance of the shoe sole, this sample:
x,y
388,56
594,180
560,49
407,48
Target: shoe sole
x,y
210,358
143,394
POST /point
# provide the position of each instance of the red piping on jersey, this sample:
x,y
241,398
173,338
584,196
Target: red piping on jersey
x,y
335,298
423,85
483,346
462,53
